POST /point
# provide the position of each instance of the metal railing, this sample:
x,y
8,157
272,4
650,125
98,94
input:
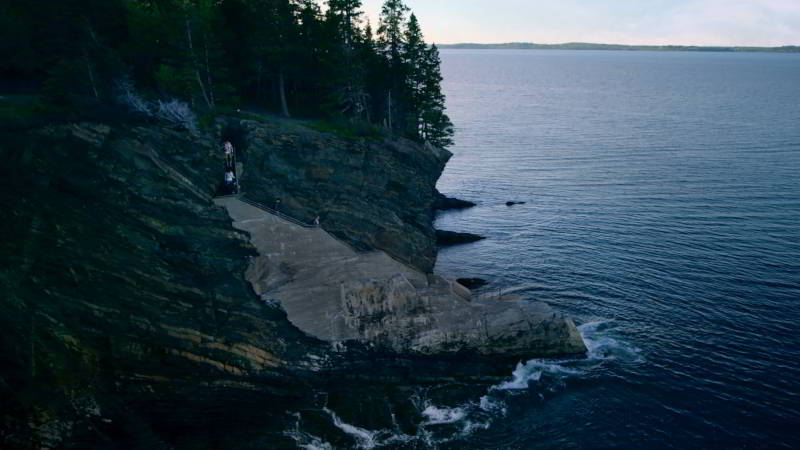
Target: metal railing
x,y
299,222
274,212
242,196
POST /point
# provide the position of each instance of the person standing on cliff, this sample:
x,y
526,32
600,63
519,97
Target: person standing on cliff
x,y
228,155
230,182
316,221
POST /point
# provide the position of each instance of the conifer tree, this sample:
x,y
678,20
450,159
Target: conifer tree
x,y
268,53
436,126
415,64
348,96
390,44
346,18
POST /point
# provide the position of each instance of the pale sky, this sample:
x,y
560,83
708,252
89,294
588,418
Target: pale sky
x,y
655,22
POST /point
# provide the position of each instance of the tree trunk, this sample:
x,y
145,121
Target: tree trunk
x,y
213,103
389,108
282,92
194,63
91,74
259,91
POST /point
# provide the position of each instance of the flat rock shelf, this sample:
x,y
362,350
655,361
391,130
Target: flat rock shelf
x,y
335,293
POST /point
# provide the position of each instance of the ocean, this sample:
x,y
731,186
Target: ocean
x,y
662,212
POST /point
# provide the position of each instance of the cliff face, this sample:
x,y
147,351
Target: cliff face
x,y
375,193
127,318
125,312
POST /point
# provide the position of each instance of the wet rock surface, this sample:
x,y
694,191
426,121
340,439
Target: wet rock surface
x,y
445,203
472,283
446,238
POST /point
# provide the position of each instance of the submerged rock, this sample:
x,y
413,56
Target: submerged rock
x,y
472,283
446,238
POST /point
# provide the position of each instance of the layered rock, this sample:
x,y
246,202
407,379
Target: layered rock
x,y
125,308
128,319
372,192
338,294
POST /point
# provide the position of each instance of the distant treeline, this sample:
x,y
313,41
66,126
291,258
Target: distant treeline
x,y
589,46
295,57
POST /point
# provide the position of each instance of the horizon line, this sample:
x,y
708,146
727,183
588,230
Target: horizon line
x,y
618,45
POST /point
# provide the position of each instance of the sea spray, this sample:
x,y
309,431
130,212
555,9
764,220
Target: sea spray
x,y
447,424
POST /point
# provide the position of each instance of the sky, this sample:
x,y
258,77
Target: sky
x,y
645,22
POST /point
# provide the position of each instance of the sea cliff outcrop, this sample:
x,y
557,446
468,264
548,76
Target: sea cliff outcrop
x,y
130,315
125,308
372,192
338,294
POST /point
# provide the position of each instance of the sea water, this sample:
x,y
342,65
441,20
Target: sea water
x,y
662,211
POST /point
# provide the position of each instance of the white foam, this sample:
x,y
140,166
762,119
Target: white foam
x,y
599,347
532,371
364,438
440,415
473,417
604,347
307,441
490,405
471,427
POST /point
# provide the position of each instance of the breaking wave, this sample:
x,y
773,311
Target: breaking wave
x,y
444,424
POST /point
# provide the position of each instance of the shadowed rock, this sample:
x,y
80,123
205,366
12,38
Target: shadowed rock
x,y
445,203
446,238
472,283
370,192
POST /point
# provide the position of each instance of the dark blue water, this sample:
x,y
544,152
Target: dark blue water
x,y
663,213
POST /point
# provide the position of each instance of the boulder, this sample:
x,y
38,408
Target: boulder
x,y
472,283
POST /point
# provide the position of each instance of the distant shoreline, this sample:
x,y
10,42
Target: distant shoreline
x,y
590,46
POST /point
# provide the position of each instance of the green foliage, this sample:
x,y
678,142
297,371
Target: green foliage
x,y
285,56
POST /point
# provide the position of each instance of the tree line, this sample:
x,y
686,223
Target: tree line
x,y
294,57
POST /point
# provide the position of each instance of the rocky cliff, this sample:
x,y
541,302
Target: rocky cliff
x,y
124,303
373,192
338,294
128,319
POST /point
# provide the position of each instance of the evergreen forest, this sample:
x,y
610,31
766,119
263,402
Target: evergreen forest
x,y
177,59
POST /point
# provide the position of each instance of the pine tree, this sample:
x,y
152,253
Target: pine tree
x,y
346,18
348,96
274,53
415,64
390,44
390,30
275,43
436,126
